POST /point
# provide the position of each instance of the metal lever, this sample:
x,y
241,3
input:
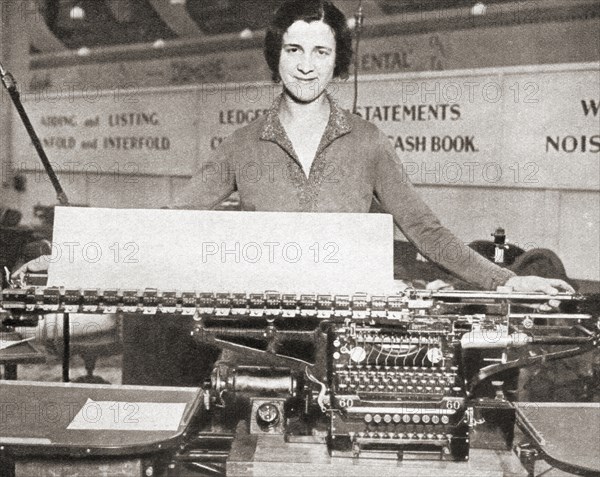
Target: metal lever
x,y
11,86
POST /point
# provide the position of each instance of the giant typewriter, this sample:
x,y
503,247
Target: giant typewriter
x,y
399,376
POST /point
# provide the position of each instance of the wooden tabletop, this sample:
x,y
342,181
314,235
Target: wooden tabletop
x,y
269,455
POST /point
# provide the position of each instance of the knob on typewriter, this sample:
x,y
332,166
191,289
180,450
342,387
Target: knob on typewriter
x,y
358,354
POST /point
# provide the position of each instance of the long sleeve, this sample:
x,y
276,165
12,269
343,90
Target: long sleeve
x,y
420,225
212,182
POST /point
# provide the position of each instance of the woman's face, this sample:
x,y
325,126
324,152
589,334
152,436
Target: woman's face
x,y
307,60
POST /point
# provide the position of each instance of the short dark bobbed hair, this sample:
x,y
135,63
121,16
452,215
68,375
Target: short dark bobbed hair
x,y
309,11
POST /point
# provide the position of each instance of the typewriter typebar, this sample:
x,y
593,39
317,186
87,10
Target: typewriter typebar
x,y
371,376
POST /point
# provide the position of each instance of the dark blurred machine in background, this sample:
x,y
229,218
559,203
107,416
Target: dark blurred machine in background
x,y
19,244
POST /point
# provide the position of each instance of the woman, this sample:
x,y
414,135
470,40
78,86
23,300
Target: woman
x,y
305,155
309,155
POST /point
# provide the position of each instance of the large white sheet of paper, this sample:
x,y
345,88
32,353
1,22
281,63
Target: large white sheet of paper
x,y
213,251
128,416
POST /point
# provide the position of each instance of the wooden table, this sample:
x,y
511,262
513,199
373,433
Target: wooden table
x,y
269,455
567,432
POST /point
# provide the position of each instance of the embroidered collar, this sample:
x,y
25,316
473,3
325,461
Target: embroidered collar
x,y
338,125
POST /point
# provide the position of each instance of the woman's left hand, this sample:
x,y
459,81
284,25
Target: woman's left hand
x,y
550,286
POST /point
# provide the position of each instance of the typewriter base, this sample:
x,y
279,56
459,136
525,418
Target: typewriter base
x,y
268,455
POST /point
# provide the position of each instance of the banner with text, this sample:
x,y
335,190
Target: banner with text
x,y
529,127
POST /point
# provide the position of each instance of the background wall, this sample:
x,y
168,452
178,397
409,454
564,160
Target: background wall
x,y
532,117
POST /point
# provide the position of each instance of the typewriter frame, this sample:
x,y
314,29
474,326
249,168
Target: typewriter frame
x,y
291,396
